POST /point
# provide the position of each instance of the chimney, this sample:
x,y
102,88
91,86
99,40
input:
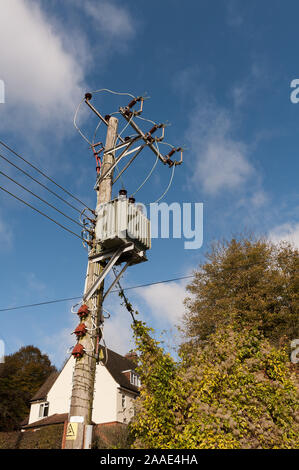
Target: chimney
x,y
132,356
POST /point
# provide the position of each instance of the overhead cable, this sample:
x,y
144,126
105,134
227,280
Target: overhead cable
x,y
38,182
40,212
80,297
43,174
230,268
41,199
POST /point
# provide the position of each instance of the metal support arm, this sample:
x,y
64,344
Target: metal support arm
x,y
113,260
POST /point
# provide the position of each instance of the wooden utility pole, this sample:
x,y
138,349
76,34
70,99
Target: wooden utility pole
x,y
85,368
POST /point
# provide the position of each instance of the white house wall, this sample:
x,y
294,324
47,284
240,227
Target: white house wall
x,y
105,397
34,412
124,415
59,396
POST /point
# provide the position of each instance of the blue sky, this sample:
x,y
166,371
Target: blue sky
x,y
219,71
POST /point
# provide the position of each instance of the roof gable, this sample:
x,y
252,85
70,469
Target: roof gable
x,y
43,391
116,365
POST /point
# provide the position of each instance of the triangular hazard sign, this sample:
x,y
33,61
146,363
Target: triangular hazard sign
x,y
71,431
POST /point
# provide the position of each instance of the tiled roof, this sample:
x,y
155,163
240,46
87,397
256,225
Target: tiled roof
x,y
116,364
42,393
54,419
25,421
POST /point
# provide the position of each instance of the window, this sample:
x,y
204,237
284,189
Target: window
x,y
135,379
43,410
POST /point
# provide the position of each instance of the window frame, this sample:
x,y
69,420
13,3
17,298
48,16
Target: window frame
x,y
43,411
134,379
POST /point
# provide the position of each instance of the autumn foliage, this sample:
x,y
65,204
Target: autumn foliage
x,y
233,386
21,375
237,391
251,281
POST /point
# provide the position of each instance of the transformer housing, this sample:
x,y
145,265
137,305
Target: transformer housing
x,y
121,221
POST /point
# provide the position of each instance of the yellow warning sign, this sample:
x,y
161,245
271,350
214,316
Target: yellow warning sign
x,y
71,431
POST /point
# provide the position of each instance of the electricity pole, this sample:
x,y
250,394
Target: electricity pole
x,y
81,406
130,250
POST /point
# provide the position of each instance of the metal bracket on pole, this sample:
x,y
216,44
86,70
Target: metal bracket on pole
x,y
142,135
117,160
117,278
139,149
113,260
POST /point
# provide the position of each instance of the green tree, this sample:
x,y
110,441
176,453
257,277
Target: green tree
x,y
252,281
21,376
235,391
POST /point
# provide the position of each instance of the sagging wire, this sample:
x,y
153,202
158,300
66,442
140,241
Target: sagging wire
x,y
113,92
92,144
76,305
171,176
118,137
98,125
88,229
124,128
79,106
75,123
95,132
146,119
166,190
155,163
107,312
150,173
86,242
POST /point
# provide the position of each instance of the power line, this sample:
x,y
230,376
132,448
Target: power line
x,y
43,174
38,182
39,304
129,288
80,297
41,199
41,213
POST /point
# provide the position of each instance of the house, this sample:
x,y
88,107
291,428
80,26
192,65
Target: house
x,y
116,388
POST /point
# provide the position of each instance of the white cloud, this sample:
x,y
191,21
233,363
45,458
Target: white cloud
x,y
35,284
259,198
59,343
165,301
40,74
222,161
118,334
58,346
285,232
186,81
234,17
111,19
240,94
43,62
